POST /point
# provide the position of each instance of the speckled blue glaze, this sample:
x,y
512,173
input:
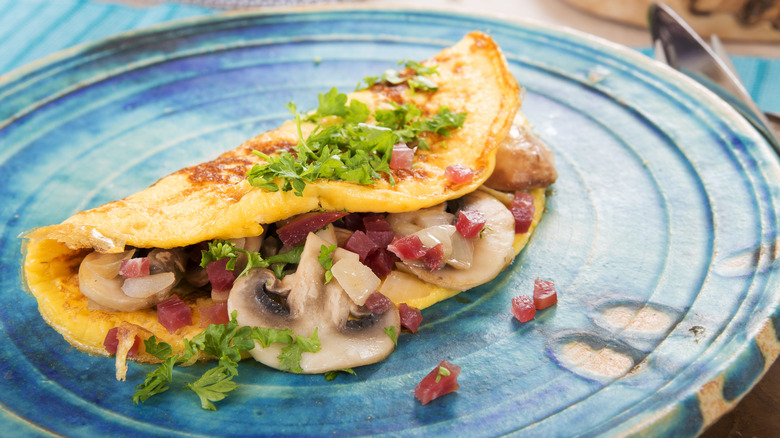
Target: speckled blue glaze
x,y
666,200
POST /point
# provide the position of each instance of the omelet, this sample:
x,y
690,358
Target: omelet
x,y
215,201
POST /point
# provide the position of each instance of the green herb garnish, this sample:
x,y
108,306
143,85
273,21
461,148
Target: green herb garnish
x,y
330,375
326,260
418,80
392,333
223,249
225,342
443,372
348,149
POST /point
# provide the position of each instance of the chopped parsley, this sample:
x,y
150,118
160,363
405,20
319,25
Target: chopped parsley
x,y
225,342
392,333
443,372
223,249
417,80
345,145
326,260
331,375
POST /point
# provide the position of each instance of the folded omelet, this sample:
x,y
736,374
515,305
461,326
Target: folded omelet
x,y
181,213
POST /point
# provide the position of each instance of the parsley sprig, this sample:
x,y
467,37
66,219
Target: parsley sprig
x,y
225,342
417,80
224,249
344,147
326,260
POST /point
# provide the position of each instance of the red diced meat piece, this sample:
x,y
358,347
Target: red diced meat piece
x,y
297,229
441,381
470,223
220,277
523,308
360,244
378,303
411,317
111,343
434,257
408,247
544,294
402,157
354,222
376,222
523,210
134,268
381,238
215,314
458,174
381,262
173,313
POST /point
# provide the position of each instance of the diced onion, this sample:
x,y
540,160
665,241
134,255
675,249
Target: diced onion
x,y
462,252
142,287
437,234
357,279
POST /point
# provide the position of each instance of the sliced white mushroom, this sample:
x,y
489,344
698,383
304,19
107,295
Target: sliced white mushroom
x,y
413,221
311,304
99,279
492,249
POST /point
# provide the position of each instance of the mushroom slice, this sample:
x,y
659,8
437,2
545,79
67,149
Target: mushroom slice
x,y
311,304
492,250
106,288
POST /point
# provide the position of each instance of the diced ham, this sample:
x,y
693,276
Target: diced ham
x,y
297,229
381,262
523,308
215,314
112,341
360,244
458,174
378,303
434,257
173,313
545,294
411,317
381,238
354,222
441,381
134,268
523,210
376,222
402,157
408,247
470,223
220,277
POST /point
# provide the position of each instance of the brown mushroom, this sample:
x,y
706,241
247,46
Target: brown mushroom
x,y
523,161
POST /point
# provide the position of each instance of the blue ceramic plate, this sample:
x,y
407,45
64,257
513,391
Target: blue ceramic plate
x,y
660,234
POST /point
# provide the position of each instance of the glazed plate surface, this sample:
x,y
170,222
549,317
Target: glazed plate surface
x,y
660,234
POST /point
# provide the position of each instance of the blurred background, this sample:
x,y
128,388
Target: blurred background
x,y
32,29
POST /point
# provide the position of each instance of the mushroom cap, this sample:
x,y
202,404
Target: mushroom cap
x,y
311,304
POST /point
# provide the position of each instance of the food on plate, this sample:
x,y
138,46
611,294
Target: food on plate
x,y
544,295
315,231
442,380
